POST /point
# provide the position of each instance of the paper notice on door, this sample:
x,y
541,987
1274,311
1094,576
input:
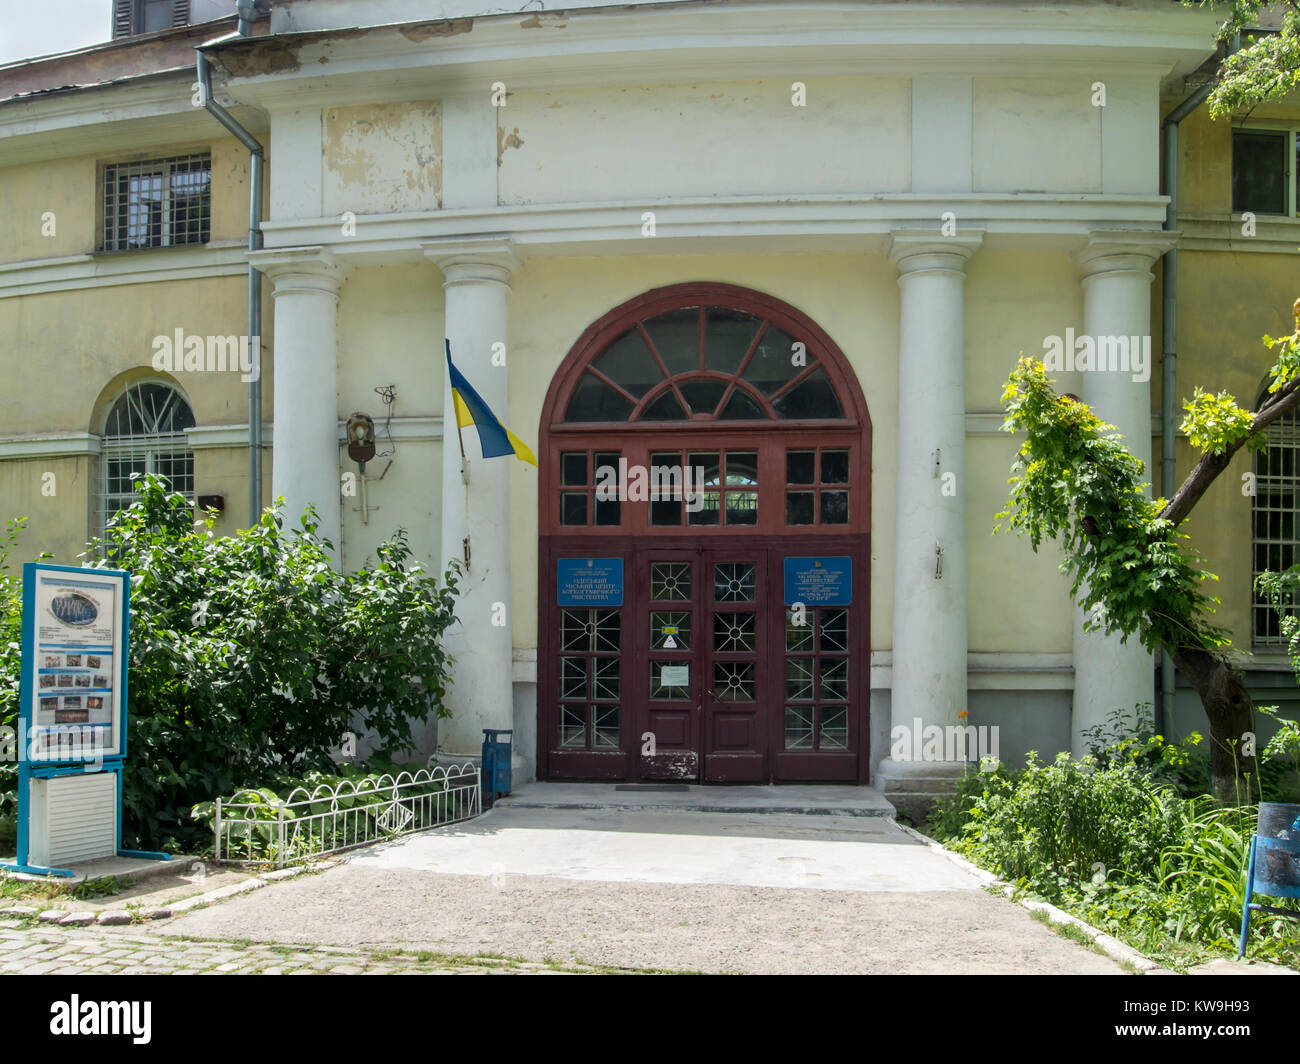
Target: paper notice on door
x,y
674,675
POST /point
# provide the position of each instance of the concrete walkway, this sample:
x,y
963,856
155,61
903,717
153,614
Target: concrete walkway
x,y
664,889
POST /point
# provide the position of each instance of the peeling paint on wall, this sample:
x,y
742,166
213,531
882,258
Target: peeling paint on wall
x,y
507,140
382,158
422,31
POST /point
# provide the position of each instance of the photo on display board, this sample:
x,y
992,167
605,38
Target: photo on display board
x,y
74,661
65,679
53,661
48,679
93,661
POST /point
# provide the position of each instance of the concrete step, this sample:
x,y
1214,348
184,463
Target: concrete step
x,y
829,799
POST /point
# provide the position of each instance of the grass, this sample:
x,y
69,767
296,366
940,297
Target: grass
x,y
56,889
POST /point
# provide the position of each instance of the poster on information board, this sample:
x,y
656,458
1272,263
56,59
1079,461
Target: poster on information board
x,y
74,663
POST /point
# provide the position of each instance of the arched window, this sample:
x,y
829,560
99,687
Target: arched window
x,y
704,363
144,432
1276,514
735,392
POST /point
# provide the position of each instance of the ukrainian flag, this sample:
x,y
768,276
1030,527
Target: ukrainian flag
x,y
494,438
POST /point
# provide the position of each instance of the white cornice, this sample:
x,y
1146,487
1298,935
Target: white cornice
x,y
52,445
133,115
72,272
209,437
1222,232
718,225
719,41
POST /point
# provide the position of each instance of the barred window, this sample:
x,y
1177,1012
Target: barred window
x,y
158,203
1276,520
144,433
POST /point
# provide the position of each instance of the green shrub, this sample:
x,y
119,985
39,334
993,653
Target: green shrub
x,y
251,655
1063,822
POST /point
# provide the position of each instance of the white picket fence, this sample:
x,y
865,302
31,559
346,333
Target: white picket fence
x,y
327,819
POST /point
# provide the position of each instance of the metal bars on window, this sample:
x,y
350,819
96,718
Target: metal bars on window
x,y
1276,521
144,433
158,202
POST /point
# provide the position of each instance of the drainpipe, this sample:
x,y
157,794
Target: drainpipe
x,y
257,156
1169,351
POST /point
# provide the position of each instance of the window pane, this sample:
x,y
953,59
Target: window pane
x,y
665,408
835,467
629,364
594,400
772,364
608,512
798,727
835,507
573,468
708,465
742,507
706,510
573,508
812,397
1259,179
799,467
741,407
703,395
676,336
798,507
727,337
742,468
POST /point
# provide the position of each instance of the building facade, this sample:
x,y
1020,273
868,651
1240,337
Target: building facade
x,y
787,252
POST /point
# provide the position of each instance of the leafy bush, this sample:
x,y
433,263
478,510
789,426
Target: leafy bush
x,y
11,615
1061,821
251,655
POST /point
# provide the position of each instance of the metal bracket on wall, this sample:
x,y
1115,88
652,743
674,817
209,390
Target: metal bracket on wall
x,y
938,562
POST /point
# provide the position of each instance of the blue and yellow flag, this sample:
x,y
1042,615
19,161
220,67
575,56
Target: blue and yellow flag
x,y
494,438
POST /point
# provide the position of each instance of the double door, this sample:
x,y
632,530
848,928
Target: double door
x,y
704,673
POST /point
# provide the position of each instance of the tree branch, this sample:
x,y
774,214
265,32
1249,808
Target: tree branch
x,y
1207,470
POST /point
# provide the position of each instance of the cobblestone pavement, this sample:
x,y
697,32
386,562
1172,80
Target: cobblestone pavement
x,y
36,950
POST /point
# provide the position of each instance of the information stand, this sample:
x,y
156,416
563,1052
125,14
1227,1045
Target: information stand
x,y
72,718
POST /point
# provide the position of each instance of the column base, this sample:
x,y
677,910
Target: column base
x,y
913,787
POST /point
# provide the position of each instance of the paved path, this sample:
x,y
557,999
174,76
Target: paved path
x,y
668,890
30,950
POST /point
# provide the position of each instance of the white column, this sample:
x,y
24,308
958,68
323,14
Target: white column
x,y
929,652
478,512
1111,675
305,459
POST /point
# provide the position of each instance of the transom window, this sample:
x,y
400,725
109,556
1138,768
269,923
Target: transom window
x,y
158,203
704,363
1276,520
144,433
705,410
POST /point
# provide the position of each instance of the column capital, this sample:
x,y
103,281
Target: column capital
x,y
473,260
310,269
925,251
1123,250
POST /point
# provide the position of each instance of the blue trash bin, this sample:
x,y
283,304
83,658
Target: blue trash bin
x,y
496,762
1274,867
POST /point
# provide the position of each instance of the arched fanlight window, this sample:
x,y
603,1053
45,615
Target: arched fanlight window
x,y
704,363
1276,517
144,432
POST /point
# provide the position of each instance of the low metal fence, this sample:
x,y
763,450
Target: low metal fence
x,y
326,819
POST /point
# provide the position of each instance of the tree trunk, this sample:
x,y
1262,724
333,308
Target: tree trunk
x,y
1228,706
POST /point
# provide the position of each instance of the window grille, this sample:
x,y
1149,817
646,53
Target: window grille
x,y
144,433
158,202
1276,521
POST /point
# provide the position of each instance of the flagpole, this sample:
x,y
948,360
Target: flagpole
x,y
464,462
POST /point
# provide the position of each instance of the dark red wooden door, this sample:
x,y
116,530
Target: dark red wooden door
x,y
737,684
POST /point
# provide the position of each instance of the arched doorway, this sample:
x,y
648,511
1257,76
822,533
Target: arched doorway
x,y
705,501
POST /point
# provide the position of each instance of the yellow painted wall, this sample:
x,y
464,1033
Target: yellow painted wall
x,y
57,523
390,328
70,188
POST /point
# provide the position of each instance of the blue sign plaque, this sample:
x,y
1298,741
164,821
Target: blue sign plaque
x,y
819,581
589,581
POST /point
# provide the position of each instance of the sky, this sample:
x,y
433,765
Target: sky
x,y
42,27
